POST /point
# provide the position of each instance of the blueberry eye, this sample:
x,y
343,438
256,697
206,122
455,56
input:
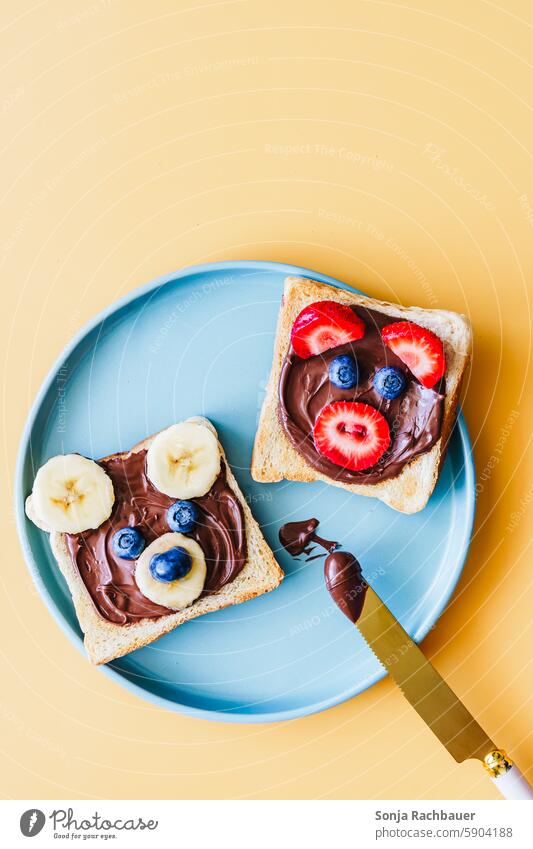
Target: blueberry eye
x,y
182,516
343,372
389,382
128,543
170,565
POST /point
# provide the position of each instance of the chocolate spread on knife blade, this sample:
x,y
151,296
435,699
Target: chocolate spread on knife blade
x,y
297,537
342,572
109,579
414,418
345,583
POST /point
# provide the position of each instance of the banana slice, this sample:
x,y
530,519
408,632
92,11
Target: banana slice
x,y
183,461
71,494
175,594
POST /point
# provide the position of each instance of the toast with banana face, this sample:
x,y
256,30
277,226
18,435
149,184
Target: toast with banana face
x,y
150,538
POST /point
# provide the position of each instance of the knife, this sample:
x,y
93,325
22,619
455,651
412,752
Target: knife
x,y
423,687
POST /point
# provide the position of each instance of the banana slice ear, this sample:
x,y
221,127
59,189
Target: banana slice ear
x,y
183,461
70,494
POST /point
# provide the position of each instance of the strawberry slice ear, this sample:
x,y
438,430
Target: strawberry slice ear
x,y
421,350
324,325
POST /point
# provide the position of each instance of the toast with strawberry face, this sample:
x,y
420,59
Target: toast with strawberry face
x,y
362,394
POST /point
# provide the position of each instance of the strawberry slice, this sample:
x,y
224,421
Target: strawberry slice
x,y
420,349
351,434
324,325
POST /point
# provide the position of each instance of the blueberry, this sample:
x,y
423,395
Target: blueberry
x,y
389,382
128,543
182,516
343,371
171,565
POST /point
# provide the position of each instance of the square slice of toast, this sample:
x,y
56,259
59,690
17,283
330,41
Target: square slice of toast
x,y
104,641
274,457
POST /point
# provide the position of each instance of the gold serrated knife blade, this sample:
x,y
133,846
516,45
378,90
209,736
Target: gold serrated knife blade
x,y
433,699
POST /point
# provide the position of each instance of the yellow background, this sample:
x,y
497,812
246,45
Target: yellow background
x,y
385,143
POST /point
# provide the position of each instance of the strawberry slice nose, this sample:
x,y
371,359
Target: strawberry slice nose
x,y
351,434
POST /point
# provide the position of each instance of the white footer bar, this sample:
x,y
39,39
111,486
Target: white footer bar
x,y
272,824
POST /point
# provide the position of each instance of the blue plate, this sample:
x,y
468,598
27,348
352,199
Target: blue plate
x,y
200,342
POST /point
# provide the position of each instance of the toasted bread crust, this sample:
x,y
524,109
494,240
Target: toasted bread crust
x,y
105,641
274,458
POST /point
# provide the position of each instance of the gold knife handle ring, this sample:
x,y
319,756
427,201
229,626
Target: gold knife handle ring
x,y
497,763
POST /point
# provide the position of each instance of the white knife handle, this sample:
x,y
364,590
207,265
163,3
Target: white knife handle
x,y
514,785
